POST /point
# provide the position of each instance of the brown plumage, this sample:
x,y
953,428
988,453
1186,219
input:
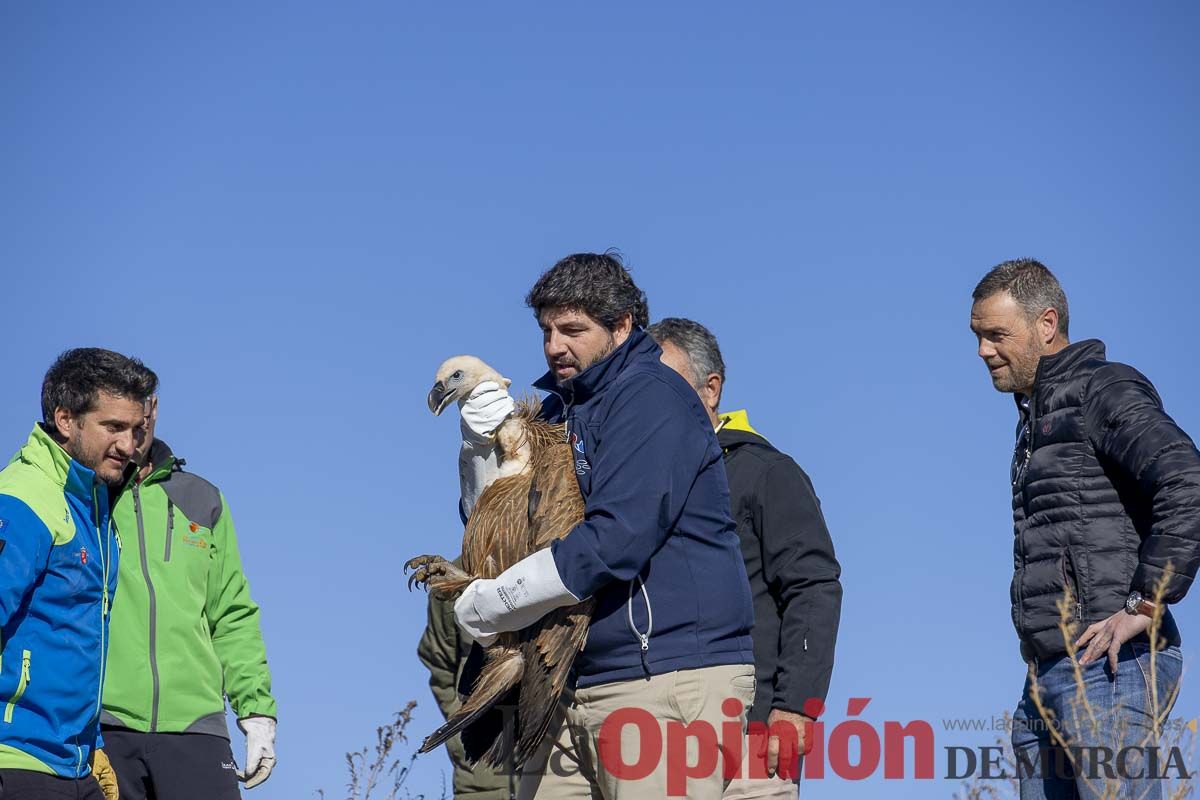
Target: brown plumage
x,y
535,500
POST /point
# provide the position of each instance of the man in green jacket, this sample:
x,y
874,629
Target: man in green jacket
x,y
185,634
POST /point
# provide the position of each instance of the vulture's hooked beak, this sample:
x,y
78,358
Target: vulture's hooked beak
x,y
439,398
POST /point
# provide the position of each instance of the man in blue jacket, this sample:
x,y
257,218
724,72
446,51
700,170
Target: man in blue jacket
x,y
58,574
669,641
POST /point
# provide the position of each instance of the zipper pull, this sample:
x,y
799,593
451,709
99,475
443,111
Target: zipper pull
x,y
645,648
1079,611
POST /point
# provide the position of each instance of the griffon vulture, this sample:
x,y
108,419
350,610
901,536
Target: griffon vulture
x,y
534,501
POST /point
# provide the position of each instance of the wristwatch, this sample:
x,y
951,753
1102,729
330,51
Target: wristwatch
x,y
1137,604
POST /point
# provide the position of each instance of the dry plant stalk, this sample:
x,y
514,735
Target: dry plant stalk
x,y
388,767
1182,737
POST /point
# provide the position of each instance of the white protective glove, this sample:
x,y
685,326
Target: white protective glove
x,y
485,408
481,414
519,597
260,750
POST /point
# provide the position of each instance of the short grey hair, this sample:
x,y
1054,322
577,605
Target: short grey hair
x,y
697,343
1031,284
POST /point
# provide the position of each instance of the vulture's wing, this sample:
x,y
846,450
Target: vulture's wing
x,y
479,721
549,648
555,504
548,657
497,534
514,517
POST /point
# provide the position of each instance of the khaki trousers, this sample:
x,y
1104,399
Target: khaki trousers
x,y
669,736
746,788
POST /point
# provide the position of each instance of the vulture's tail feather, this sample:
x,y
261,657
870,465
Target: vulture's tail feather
x,y
502,672
499,754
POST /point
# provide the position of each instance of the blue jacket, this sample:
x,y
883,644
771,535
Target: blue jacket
x,y
58,575
658,548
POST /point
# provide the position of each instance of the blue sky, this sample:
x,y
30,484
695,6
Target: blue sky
x,y
294,212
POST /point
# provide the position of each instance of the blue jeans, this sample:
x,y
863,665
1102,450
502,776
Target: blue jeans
x,y
1107,729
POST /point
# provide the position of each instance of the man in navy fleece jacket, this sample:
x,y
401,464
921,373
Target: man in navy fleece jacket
x,y
657,549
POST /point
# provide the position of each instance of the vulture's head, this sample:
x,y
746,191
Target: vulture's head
x,y
457,377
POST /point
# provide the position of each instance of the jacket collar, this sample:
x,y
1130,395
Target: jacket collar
x,y
1067,359
598,376
163,459
47,456
737,421
1064,362
736,430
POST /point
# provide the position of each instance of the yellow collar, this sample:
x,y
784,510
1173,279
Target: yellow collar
x,y
736,421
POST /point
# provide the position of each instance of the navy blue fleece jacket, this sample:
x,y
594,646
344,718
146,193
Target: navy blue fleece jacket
x,y
658,548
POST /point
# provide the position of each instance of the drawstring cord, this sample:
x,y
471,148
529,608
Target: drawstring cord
x,y
643,637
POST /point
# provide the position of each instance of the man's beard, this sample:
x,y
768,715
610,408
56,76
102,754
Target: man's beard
x,y
1022,372
76,452
609,346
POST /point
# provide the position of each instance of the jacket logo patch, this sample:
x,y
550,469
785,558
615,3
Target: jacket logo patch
x,y
83,555
195,537
1046,427
581,464
3,525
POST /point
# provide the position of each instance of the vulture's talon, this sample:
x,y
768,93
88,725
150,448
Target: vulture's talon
x,y
418,577
417,562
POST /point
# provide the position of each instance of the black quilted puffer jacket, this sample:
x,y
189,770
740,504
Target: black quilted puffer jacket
x,y
1106,498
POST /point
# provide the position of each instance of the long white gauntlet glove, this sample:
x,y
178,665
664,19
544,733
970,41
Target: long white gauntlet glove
x,y
488,405
517,598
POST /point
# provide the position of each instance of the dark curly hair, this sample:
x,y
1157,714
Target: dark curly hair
x,y
76,378
596,284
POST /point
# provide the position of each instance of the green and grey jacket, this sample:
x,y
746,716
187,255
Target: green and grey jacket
x,y
185,632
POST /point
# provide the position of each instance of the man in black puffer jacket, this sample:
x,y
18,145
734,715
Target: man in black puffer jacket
x,y
1106,510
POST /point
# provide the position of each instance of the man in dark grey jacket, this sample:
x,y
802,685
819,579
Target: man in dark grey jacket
x,y
1106,510
790,562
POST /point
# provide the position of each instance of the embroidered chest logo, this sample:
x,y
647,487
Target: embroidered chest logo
x,y
83,555
581,464
1045,427
195,536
